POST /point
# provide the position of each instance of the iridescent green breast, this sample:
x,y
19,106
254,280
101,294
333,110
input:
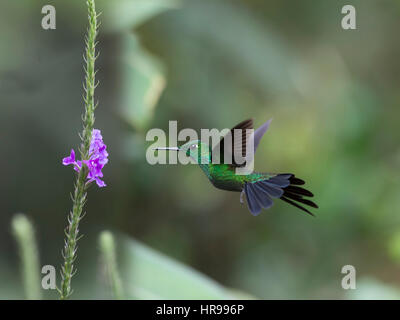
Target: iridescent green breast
x,y
223,176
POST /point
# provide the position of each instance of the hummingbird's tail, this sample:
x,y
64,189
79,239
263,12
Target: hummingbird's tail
x,y
293,194
283,186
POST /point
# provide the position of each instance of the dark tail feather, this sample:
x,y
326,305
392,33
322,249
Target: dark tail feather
x,y
296,181
293,194
300,199
296,205
299,191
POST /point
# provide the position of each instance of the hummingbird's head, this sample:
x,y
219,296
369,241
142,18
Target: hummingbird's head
x,y
197,150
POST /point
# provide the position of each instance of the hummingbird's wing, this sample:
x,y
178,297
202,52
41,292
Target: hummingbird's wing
x,y
241,142
259,133
238,142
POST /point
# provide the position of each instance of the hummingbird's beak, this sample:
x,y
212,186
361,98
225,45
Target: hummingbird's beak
x,y
168,148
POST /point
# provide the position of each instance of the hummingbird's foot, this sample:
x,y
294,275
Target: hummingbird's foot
x,y
241,196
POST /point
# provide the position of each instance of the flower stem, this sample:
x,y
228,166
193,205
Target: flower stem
x,y
24,233
80,193
108,251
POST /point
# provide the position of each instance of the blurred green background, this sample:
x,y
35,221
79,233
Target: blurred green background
x,y
334,96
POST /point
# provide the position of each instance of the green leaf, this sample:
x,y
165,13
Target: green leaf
x,y
370,288
120,15
24,234
142,82
394,247
148,274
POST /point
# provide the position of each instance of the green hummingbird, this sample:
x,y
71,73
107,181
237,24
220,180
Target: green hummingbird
x,y
259,188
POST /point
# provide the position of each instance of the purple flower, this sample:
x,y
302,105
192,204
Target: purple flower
x,y
98,158
69,160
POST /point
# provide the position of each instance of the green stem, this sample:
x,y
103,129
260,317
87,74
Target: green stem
x,y
107,247
80,193
24,233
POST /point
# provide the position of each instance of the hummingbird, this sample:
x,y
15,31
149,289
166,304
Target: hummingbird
x,y
258,188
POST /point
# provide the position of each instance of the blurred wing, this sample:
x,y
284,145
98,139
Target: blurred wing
x,y
258,134
237,142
